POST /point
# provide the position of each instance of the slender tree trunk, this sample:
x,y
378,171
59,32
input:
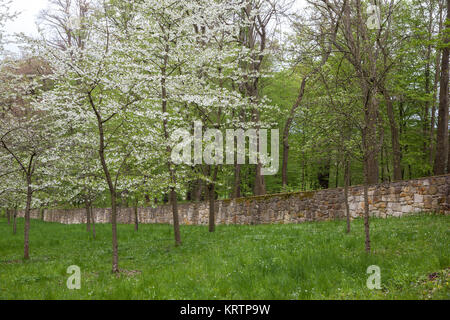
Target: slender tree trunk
x,y
371,139
26,254
366,208
435,90
93,221
425,118
287,127
198,189
440,160
260,185
176,222
212,200
448,157
237,182
112,191
346,185
337,173
15,221
115,260
173,193
136,217
212,222
395,139
8,215
88,218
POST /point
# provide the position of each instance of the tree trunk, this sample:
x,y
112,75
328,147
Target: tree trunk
x,y
8,215
212,223
323,176
15,221
440,160
93,222
337,174
448,157
115,260
260,185
370,138
112,192
88,214
425,117
173,193
395,140
366,207
212,200
346,185
237,182
136,217
287,127
26,254
197,192
176,222
436,81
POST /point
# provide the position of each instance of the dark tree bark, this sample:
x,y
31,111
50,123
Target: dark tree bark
x,y
212,222
28,171
337,174
173,193
15,221
287,127
136,217
370,138
395,138
366,209
440,160
448,157
93,222
237,182
198,189
346,185
8,215
323,176
176,222
111,186
26,254
212,200
88,215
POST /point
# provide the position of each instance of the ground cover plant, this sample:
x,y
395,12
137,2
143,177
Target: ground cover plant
x,y
315,260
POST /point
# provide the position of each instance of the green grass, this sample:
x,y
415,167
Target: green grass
x,y
304,261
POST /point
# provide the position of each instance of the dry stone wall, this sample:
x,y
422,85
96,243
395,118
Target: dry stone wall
x,y
431,194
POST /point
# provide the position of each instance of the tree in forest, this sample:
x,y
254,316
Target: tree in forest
x,y
360,46
26,136
94,92
442,142
187,55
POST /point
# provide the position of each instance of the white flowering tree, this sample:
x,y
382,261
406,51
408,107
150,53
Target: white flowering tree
x,y
97,103
11,188
26,136
187,56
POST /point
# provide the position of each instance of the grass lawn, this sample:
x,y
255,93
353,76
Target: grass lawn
x,y
304,261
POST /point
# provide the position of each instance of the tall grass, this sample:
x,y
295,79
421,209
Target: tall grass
x,y
304,261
